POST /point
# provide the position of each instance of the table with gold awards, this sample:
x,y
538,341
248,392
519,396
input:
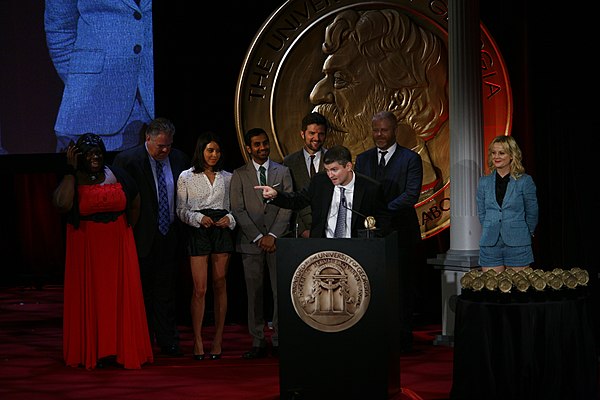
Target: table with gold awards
x,y
525,334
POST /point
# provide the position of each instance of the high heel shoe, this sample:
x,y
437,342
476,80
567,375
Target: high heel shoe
x,y
198,357
214,356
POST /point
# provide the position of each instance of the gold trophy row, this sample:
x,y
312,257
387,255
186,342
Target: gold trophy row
x,y
524,279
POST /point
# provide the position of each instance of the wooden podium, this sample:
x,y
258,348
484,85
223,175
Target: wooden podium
x,y
338,304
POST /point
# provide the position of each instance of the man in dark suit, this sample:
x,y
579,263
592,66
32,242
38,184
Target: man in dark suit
x,y
260,224
361,197
400,171
158,247
305,163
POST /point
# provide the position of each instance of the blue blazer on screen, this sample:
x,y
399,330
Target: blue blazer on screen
x,y
103,52
516,220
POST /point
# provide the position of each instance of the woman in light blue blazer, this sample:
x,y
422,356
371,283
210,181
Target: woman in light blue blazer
x,y
507,208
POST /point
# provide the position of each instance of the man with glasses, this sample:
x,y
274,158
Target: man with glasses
x,y
155,166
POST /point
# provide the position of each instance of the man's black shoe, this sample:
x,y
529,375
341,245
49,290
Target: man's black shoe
x,y
171,351
255,352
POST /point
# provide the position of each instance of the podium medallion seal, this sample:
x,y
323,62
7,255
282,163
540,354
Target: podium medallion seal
x,y
330,291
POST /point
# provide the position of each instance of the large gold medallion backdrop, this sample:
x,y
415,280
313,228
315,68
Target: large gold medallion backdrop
x,y
351,59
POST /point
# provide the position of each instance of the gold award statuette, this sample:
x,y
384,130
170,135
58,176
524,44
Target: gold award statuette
x,y
370,223
349,60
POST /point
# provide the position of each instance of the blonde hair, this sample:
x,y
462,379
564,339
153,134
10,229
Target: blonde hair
x,y
510,146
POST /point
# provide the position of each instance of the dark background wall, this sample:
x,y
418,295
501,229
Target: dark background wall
x,y
549,53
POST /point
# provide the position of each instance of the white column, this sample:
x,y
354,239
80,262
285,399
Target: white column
x,y
466,127
466,159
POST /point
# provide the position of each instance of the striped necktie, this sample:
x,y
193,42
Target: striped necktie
x,y
263,175
340,225
164,216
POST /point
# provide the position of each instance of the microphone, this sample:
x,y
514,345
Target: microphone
x,y
369,220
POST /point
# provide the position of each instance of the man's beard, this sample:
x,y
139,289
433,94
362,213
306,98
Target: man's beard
x,y
353,131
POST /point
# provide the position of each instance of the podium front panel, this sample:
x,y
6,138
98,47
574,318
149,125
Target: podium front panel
x,y
356,362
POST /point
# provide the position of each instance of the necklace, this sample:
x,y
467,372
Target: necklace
x,y
94,176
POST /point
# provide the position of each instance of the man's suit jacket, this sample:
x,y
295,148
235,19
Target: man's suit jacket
x,y
402,180
516,220
297,165
103,52
135,161
367,200
253,215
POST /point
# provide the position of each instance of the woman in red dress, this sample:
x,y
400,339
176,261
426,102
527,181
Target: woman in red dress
x,y
104,317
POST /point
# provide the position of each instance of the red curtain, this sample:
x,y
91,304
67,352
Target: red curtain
x,y
38,230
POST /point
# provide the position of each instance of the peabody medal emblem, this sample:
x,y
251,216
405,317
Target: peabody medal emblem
x,y
349,59
330,291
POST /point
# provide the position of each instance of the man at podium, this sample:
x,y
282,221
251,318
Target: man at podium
x,y
343,202
341,293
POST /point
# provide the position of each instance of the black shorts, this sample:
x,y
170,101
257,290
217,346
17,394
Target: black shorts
x,y
203,241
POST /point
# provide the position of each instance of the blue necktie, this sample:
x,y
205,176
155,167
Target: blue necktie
x,y
164,216
340,225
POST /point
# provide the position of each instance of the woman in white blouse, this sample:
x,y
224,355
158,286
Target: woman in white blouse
x,y
203,204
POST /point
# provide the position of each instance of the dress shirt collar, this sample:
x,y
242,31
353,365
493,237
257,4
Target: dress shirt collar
x,y
257,166
350,186
307,160
390,151
317,156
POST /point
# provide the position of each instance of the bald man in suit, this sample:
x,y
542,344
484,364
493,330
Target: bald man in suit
x,y
401,175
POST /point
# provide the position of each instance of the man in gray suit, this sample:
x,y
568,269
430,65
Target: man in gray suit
x,y
260,225
103,52
305,163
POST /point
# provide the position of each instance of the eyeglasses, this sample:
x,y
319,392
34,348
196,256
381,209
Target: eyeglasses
x,y
161,146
